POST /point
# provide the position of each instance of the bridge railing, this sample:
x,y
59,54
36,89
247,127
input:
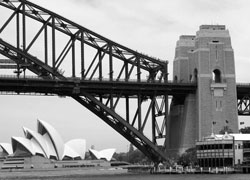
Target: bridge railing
x,y
243,84
96,79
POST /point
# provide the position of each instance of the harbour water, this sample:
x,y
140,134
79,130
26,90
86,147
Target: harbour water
x,y
126,176
174,177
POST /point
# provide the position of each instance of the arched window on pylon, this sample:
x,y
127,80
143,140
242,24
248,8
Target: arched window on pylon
x,y
217,76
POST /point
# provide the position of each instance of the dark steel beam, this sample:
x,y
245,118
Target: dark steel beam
x,y
24,27
110,63
63,54
82,56
53,43
139,111
153,119
110,117
46,45
73,59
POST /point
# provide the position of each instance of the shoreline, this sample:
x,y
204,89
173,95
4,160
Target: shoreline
x,y
69,173
95,173
60,172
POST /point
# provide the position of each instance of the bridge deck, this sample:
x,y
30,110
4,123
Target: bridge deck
x,y
77,86
122,87
243,89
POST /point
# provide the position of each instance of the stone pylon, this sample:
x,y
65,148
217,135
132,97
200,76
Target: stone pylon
x,y
207,59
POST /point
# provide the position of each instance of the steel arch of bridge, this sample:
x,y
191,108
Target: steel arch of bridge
x,y
85,56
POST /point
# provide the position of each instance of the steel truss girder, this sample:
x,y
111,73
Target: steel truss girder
x,y
103,47
74,88
83,35
244,106
25,60
103,110
121,126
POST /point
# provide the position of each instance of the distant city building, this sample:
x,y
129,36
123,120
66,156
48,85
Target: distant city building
x,y
46,142
206,59
228,150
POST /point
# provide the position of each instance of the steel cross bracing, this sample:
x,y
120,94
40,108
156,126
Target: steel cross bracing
x,y
244,106
53,48
243,96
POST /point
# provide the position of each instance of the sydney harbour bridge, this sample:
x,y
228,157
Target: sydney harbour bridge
x,y
51,55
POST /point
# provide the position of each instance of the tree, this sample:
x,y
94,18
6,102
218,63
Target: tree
x,y
225,129
132,156
120,156
245,130
188,158
137,156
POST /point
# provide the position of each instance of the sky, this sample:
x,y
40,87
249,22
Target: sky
x,y
148,26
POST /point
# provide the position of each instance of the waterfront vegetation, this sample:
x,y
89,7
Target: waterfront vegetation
x,y
245,130
133,156
188,158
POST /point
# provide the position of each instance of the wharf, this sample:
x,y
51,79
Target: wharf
x,y
225,170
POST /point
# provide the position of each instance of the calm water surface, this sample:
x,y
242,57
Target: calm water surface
x,y
166,177
174,177
146,177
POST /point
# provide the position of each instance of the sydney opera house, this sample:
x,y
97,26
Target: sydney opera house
x,y
45,146
105,154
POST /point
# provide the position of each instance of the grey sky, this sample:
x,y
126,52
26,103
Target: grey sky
x,y
148,26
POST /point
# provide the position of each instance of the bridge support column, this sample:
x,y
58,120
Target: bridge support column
x,y
208,60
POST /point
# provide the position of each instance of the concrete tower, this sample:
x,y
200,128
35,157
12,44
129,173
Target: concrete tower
x,y
208,60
